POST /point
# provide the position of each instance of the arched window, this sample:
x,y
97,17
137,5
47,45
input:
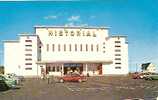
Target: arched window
x,y
91,47
58,47
47,47
64,47
80,47
75,47
69,47
97,47
86,47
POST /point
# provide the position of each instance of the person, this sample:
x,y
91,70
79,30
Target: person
x,y
53,80
48,79
76,72
71,71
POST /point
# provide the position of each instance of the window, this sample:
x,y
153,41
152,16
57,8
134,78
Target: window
x,y
52,47
58,68
94,35
104,47
69,47
118,63
91,47
117,67
28,63
75,47
28,45
117,58
28,49
117,41
117,46
48,68
53,69
117,50
58,47
72,33
97,47
88,33
28,59
28,68
103,43
28,40
28,54
117,54
80,47
60,33
47,47
78,33
86,47
64,47
103,51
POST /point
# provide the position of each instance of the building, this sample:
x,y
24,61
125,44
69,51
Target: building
x,y
58,50
148,67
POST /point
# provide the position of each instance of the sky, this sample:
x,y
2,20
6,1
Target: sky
x,y
137,19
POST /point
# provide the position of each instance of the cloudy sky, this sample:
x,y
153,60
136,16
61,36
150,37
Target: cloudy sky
x,y
138,19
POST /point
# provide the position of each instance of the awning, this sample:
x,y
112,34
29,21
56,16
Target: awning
x,y
72,65
75,61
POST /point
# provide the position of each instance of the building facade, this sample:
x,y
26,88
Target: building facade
x,y
58,50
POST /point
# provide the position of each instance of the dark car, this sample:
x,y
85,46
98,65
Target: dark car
x,y
72,77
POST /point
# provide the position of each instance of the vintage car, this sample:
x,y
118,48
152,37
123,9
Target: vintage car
x,y
72,77
13,76
153,76
137,75
7,82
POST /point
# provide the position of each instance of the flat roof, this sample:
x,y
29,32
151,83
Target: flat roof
x,y
10,40
118,36
67,61
27,35
83,27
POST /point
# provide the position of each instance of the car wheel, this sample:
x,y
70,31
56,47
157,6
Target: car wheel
x,y
61,80
80,80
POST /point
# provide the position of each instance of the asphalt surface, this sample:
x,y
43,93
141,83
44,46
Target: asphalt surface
x,y
96,88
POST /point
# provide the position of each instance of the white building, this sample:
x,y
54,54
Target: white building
x,y
57,50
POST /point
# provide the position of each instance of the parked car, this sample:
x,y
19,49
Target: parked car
x,y
7,82
153,76
18,79
72,77
137,75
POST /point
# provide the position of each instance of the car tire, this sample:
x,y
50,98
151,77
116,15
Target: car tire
x,y
80,80
61,81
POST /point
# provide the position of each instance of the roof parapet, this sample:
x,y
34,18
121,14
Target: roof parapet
x,y
84,27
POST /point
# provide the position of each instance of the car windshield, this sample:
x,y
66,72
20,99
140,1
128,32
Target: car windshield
x,y
75,75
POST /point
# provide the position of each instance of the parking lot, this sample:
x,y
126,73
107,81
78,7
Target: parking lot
x,y
96,88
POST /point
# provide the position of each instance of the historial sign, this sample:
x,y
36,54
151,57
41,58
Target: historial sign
x,y
70,33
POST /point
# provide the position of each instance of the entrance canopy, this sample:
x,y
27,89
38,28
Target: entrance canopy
x,y
72,65
78,62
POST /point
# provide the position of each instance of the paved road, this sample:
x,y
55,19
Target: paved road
x,y
96,88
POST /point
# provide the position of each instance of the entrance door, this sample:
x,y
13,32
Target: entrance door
x,y
72,67
100,69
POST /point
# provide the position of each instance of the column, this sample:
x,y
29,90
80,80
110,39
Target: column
x,y
62,71
86,69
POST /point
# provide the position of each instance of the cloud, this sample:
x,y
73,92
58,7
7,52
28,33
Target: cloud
x,y
74,18
50,17
77,24
75,21
92,16
69,24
